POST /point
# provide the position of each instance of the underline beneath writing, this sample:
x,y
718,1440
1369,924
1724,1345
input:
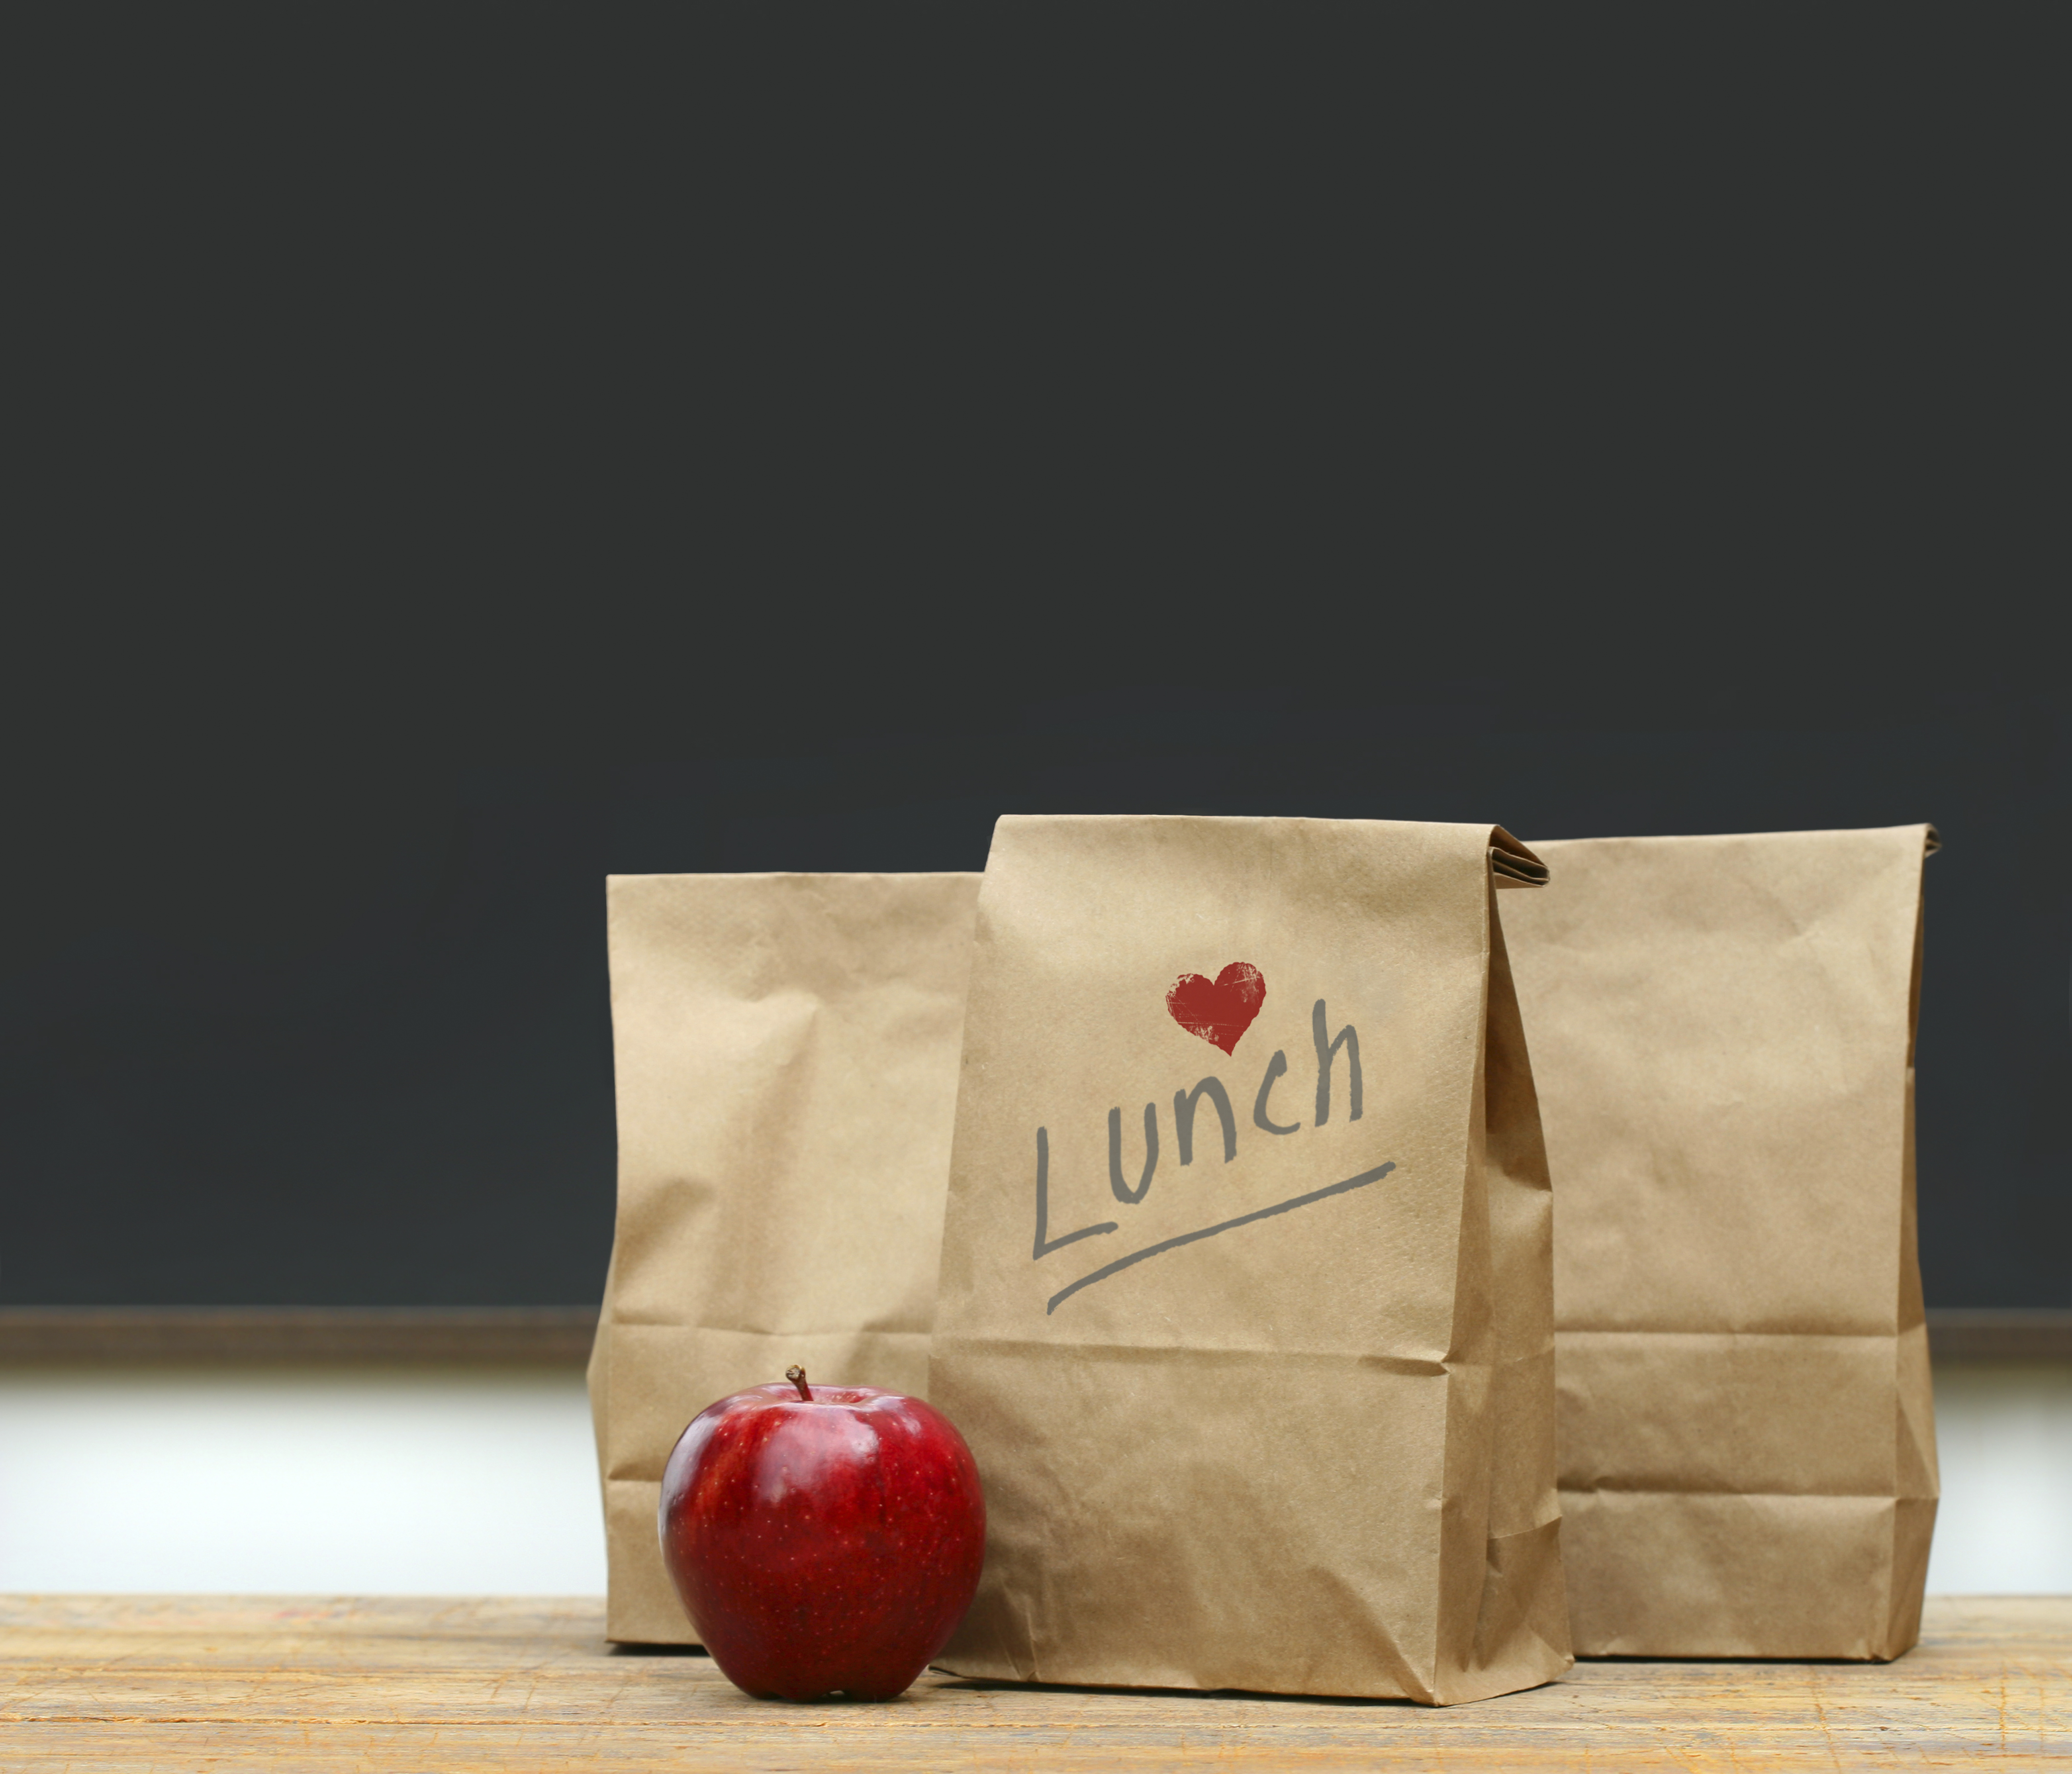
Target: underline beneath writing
x,y
1121,1263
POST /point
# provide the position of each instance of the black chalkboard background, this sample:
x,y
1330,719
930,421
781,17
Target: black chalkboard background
x,y
461,456
340,1034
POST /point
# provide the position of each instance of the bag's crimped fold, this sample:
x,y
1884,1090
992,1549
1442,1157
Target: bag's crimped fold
x,y
785,1048
1722,1031
1304,1444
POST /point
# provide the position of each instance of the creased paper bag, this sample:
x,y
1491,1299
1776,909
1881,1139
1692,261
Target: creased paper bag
x,y
1722,1031
785,1048
1246,1307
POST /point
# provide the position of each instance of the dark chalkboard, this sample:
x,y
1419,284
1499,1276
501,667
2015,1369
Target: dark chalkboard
x,y
333,1027
459,462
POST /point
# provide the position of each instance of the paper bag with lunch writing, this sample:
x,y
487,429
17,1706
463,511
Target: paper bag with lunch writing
x,y
1246,1306
786,1054
1722,1029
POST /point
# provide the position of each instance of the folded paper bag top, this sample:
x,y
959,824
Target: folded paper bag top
x,y
1722,1031
1246,1304
785,1053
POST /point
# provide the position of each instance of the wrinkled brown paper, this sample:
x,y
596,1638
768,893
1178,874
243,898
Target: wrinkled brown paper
x,y
1312,1451
786,1054
1722,1032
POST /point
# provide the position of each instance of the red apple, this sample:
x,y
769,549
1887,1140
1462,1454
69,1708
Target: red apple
x,y
822,1540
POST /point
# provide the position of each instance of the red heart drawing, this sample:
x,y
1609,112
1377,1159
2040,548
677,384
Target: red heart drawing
x,y
1221,1009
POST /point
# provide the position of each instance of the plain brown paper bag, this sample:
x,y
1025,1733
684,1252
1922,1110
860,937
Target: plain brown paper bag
x,y
785,1050
1276,1411
1722,1032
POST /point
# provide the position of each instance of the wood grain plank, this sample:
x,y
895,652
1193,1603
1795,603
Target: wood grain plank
x,y
124,1683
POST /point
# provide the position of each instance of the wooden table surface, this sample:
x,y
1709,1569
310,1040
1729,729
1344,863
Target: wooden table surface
x,y
174,1683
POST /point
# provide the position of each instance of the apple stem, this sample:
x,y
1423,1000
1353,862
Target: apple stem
x,y
797,1376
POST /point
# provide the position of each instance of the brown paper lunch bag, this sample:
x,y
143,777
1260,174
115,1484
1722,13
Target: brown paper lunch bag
x,y
785,1050
1246,1305
1722,1032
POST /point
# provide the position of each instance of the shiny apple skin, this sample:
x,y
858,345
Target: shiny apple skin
x,y
822,1548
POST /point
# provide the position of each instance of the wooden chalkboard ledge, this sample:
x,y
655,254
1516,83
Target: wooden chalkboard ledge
x,y
417,1684
1982,1333
557,1336
561,1335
